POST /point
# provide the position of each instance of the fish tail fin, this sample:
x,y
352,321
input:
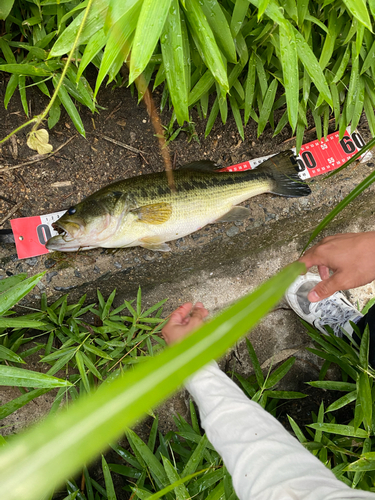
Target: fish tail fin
x,y
286,181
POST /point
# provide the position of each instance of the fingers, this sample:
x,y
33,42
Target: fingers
x,y
183,321
197,315
179,316
326,288
323,272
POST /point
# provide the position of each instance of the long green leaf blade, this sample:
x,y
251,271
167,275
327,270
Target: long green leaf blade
x,y
172,48
289,61
60,445
18,377
206,43
310,62
149,27
17,292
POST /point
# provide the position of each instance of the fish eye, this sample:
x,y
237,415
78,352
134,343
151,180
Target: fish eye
x,y
72,210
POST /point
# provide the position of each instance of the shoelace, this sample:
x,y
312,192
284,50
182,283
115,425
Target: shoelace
x,y
334,314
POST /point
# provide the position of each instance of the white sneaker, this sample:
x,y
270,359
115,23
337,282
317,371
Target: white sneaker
x,y
335,311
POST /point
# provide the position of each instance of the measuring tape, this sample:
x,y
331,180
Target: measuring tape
x,y
315,158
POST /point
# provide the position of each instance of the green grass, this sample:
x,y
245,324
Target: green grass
x,y
254,58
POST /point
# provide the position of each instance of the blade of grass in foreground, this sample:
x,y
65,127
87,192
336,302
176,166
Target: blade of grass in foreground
x,y
45,455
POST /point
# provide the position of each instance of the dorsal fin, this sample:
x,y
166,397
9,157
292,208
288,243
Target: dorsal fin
x,y
202,166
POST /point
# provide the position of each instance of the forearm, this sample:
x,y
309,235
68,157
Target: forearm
x,y
265,461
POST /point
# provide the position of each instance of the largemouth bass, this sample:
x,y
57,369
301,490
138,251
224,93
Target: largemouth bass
x,y
144,211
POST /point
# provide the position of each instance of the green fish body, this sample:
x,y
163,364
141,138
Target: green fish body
x,y
144,211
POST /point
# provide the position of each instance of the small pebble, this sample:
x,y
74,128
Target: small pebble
x,y
63,288
196,236
49,276
77,274
14,257
232,231
9,273
148,257
270,216
138,261
117,265
49,263
96,269
32,262
19,268
40,285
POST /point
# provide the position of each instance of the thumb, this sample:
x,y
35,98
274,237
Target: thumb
x,y
325,288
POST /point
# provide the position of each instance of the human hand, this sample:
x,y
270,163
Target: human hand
x,y
183,321
351,258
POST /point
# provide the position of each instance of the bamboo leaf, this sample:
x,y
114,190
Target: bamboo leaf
x,y
342,430
9,355
312,66
181,491
109,487
61,444
16,404
267,106
241,8
24,69
365,399
206,43
289,61
237,116
152,462
174,62
279,373
94,23
220,27
11,87
18,377
5,8
68,104
151,21
250,87
202,87
119,41
95,44
343,401
14,294
359,10
332,385
213,115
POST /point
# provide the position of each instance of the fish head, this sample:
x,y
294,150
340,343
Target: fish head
x,y
85,225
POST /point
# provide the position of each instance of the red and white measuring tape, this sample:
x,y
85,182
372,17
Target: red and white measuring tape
x,y
315,158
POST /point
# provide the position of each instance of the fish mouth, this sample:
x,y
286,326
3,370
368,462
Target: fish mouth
x,y
66,240
67,229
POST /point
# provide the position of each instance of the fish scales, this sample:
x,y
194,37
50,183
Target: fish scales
x,y
144,210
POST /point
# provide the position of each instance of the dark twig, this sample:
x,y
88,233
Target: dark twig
x,y
123,145
11,212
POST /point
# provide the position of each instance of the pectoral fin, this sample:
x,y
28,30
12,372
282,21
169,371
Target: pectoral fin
x,y
235,214
157,213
